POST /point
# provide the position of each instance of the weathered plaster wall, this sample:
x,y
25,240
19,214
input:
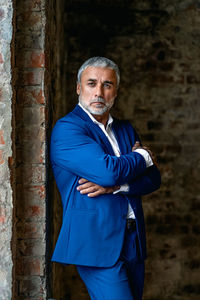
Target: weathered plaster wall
x,y
6,197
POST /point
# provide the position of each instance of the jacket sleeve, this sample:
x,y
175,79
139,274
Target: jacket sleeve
x,y
146,183
74,150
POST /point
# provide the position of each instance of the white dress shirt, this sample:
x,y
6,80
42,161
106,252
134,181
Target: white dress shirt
x,y
112,139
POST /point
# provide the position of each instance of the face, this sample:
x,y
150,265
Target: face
x,y
97,90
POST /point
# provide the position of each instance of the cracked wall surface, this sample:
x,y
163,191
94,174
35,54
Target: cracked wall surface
x,y
6,196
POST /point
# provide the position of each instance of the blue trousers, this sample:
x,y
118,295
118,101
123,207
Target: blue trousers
x,y
123,281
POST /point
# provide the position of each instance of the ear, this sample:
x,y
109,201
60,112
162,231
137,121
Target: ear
x,y
78,88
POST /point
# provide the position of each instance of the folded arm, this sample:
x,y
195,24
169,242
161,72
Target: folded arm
x,y
150,180
146,183
75,151
93,189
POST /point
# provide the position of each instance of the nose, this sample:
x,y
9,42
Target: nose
x,y
99,91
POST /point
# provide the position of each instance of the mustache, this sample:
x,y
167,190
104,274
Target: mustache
x,y
98,100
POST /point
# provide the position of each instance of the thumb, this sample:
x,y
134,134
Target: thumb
x,y
136,145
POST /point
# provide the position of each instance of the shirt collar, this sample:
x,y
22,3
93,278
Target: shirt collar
x,y
110,119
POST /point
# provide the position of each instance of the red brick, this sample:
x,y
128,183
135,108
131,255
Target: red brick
x,y
1,58
34,132
28,96
33,151
31,287
33,77
33,116
41,191
36,192
30,209
34,174
36,211
31,247
31,59
2,142
37,60
30,266
1,157
2,215
31,298
31,230
30,5
30,40
30,21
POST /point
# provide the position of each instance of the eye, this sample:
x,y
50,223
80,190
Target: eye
x,y
107,85
91,83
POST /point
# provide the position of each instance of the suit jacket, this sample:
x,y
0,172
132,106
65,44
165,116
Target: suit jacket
x,y
93,229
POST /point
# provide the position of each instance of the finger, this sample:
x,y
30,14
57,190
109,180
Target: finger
x,y
85,186
136,145
95,194
88,190
82,180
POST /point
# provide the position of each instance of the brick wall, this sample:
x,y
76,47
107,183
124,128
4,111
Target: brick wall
x,y
30,150
6,197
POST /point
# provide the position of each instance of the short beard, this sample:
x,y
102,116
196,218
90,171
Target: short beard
x,y
100,111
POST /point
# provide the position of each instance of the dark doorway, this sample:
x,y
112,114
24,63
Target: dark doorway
x,y
122,31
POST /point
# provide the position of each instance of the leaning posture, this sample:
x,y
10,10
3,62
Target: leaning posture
x,y
102,170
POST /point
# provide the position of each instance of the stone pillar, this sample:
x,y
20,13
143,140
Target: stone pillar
x,y
30,150
6,200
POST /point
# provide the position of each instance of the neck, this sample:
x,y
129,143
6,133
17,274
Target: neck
x,y
102,118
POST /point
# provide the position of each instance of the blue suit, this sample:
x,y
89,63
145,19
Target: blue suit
x,y
93,229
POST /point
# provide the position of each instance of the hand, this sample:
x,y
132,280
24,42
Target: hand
x,y
93,189
137,145
153,157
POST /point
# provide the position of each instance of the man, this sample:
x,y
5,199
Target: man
x,y
102,171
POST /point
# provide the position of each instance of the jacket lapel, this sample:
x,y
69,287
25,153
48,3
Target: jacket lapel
x,y
94,130
121,137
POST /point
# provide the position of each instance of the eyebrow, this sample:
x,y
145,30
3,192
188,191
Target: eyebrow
x,y
90,79
106,81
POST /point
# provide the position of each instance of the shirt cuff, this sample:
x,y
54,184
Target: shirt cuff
x,y
123,188
146,156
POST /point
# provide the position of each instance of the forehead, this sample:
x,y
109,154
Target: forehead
x,y
98,73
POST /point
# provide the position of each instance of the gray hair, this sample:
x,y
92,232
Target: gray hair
x,y
101,62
